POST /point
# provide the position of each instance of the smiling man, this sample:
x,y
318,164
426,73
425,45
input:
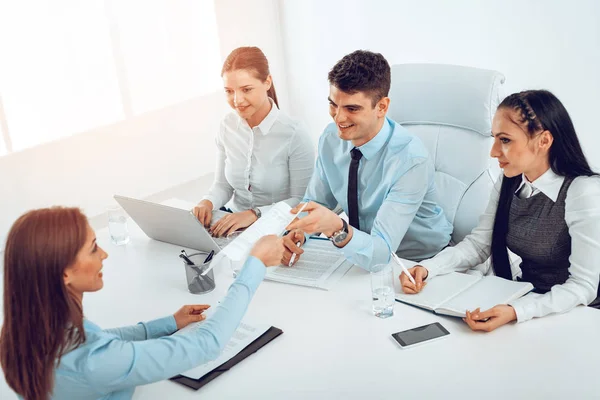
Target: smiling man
x,y
379,173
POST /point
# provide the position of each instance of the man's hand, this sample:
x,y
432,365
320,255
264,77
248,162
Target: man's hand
x,y
232,222
491,319
290,242
419,274
319,219
190,313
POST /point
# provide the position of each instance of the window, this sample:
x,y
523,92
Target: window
x,y
170,51
69,66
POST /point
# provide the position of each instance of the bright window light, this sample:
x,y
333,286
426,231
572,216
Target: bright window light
x,y
170,50
57,75
68,66
2,144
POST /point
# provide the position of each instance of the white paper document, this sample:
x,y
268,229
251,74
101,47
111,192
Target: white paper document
x,y
316,267
244,335
272,222
454,293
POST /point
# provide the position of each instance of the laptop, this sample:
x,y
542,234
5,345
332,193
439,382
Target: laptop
x,y
172,225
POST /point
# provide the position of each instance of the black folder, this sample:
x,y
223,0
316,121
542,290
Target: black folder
x,y
252,348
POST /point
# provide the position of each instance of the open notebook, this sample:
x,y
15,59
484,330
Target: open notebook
x,y
455,293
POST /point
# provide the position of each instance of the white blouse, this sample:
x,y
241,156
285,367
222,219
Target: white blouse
x,y
259,166
582,216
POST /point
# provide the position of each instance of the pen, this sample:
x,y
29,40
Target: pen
x,y
186,259
397,259
294,255
209,257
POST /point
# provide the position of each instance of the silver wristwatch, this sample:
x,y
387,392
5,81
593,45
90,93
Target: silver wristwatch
x,y
256,211
341,235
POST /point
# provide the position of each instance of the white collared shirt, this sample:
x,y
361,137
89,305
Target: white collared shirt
x,y
582,216
259,166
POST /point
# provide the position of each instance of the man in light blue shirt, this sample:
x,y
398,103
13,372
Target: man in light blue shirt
x,y
378,172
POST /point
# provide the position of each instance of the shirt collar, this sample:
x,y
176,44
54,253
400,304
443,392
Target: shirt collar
x,y
267,123
373,146
549,184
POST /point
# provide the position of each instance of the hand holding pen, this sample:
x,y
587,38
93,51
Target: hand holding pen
x,y
292,242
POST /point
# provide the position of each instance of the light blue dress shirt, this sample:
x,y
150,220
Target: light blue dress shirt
x,y
396,195
112,362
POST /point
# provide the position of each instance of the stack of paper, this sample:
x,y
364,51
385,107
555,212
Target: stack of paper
x,y
321,265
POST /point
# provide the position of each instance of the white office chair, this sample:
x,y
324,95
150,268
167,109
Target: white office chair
x,y
451,108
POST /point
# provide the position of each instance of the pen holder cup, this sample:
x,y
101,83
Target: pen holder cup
x,y
196,282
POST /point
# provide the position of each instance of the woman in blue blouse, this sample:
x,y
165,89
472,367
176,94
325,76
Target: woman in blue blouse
x,y
49,350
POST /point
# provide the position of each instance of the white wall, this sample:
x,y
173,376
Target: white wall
x,y
551,44
146,154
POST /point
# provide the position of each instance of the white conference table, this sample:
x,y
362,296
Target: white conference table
x,y
333,347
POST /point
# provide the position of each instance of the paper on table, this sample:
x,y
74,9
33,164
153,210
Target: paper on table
x,y
245,334
438,291
316,265
487,293
273,222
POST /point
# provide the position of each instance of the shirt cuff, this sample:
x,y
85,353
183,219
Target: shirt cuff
x,y
524,308
433,267
360,240
160,327
252,273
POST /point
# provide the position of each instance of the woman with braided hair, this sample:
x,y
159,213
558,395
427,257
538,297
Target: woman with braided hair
x,y
545,208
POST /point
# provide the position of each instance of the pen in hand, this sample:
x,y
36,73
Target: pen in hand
x,y
298,244
397,259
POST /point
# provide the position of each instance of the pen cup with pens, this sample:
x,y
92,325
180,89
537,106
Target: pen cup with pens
x,y
195,265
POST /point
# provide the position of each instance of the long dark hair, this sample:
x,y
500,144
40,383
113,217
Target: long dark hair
x,y
537,110
253,59
42,320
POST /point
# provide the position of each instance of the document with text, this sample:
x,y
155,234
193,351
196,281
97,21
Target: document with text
x,y
245,334
321,265
272,222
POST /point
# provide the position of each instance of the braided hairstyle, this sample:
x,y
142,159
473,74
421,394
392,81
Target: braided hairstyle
x,y
536,111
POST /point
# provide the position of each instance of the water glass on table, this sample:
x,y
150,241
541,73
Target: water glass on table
x,y
117,225
382,290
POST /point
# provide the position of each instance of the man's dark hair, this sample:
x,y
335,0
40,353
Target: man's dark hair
x,y
362,71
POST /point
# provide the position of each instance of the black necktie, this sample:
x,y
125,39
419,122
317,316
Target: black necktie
x,y
353,187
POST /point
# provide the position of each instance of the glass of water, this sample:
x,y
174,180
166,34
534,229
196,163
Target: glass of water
x,y
382,290
117,225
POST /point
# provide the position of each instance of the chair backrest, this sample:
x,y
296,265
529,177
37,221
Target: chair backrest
x,y
451,108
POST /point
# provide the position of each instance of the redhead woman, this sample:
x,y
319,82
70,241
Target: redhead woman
x,y
48,349
263,155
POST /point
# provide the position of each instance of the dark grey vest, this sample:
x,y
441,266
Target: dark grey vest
x,y
538,233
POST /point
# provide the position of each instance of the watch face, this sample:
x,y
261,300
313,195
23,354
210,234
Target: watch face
x,y
339,238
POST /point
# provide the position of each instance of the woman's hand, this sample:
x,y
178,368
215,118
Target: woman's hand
x,y
289,241
232,222
491,319
203,211
190,313
419,274
269,249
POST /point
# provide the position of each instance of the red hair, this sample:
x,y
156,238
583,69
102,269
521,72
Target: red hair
x,y
253,59
42,320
